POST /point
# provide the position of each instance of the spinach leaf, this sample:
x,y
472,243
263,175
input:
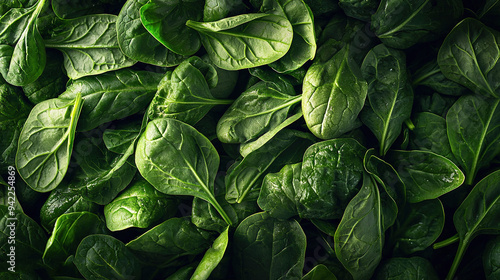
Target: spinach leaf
x,y
105,257
390,95
244,178
51,83
29,239
185,93
334,93
462,60
101,174
303,47
433,103
89,45
478,214
319,272
176,159
173,238
219,9
331,175
430,135
359,9
277,194
268,248
51,123
245,41
113,95
406,268
68,231
119,138
61,201
22,56
426,175
166,21
431,76
417,227
140,205
473,126
133,38
402,24
359,237
72,9
212,257
259,109
491,259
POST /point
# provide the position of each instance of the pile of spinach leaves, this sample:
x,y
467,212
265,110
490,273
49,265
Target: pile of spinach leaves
x,y
250,139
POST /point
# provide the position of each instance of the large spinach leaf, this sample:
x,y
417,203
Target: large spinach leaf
x,y
133,38
245,41
176,159
359,237
331,175
402,24
268,248
219,9
426,175
360,9
463,60
89,45
390,95
166,21
334,93
46,142
478,214
140,205
105,257
113,95
22,51
473,126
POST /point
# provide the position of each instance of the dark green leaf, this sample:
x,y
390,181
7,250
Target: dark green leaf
x,y
360,9
212,257
414,268
491,259
430,75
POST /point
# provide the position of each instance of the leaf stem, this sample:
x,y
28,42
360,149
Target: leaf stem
x,y
458,258
221,211
446,242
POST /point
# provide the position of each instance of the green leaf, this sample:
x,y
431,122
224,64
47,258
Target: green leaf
x,y
212,257
178,160
359,238
89,45
319,272
133,38
332,173
390,94
303,47
478,214
259,109
359,9
173,238
491,259
140,205
46,142
406,268
426,175
431,76
119,138
29,239
245,41
112,96
219,9
462,60
185,93
166,21
105,257
402,24
68,231
22,57
417,227
268,248
334,93
473,126
277,194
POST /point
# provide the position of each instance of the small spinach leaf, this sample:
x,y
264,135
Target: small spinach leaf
x,y
359,9
406,268
51,123
319,272
212,257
